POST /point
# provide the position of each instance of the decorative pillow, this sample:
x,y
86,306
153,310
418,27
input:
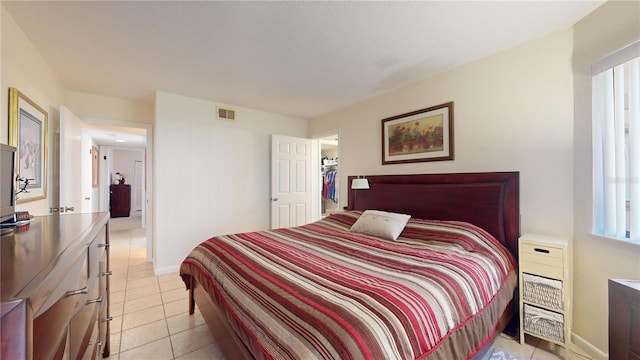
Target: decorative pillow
x,y
383,224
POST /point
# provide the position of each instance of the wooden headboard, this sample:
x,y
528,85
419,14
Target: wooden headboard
x,y
489,200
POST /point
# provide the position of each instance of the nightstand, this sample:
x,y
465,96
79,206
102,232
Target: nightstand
x,y
545,288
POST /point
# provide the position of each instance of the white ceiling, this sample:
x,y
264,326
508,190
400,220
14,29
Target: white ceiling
x,y
116,136
302,59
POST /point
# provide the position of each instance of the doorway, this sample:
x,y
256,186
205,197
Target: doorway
x,y
138,137
329,174
324,167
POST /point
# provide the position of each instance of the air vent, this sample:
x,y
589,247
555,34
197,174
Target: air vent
x,y
226,114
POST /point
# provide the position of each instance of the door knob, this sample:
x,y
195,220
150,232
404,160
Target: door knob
x,y
274,199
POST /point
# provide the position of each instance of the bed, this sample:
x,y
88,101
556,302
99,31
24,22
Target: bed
x,y
441,290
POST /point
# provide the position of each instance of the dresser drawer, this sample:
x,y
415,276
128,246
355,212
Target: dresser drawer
x,y
543,291
103,311
94,346
60,283
83,322
550,271
50,328
15,315
547,255
542,260
97,252
81,331
544,323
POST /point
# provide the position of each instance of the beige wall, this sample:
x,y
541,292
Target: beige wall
x,y
596,259
23,67
87,105
211,176
512,112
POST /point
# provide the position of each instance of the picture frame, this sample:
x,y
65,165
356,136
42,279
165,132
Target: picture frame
x,y
94,167
419,136
29,133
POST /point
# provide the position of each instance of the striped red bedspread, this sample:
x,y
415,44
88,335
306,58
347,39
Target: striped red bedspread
x,y
320,291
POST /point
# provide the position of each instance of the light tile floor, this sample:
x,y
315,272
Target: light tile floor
x,y
505,347
150,313
151,319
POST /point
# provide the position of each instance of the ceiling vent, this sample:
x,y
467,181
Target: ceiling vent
x,y
226,114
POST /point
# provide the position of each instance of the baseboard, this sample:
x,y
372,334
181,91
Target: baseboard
x,y
166,270
586,346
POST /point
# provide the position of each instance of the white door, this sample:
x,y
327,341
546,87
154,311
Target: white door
x,y
290,181
71,197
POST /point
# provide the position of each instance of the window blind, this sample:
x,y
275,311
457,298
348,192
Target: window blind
x,y
616,150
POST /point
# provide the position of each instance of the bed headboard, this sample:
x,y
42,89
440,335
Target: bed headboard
x,y
489,200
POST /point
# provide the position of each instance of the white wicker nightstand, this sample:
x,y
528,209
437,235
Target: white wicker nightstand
x,y
545,289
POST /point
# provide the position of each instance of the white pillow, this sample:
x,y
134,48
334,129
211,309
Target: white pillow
x,y
381,223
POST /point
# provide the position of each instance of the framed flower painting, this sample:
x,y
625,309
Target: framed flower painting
x,y
417,136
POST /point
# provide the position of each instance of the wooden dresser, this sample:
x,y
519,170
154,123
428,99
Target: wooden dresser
x,y
624,319
120,200
55,288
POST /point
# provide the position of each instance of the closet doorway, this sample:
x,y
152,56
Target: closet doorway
x,y
329,174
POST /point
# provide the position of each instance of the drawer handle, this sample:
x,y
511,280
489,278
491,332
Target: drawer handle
x,y
84,290
105,245
541,250
107,273
107,319
94,300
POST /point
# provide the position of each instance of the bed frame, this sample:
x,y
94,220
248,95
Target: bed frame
x,y
489,200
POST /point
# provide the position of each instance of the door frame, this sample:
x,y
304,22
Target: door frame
x,y
148,221
316,184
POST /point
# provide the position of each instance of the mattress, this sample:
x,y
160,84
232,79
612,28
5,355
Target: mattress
x,y
320,291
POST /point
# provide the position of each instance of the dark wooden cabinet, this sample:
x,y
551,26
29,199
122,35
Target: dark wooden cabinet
x,y
624,319
15,319
55,288
120,200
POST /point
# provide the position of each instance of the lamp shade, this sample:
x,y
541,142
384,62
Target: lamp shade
x,y
360,183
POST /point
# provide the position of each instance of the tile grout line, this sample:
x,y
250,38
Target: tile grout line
x,y
126,290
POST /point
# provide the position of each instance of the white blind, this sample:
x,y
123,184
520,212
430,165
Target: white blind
x,y
616,150
634,148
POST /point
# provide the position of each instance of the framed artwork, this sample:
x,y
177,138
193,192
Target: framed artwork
x,y
28,132
94,167
421,135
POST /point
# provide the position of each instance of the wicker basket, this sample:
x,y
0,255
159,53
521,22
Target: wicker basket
x,y
544,323
543,291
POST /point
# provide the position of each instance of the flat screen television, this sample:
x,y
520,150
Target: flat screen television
x,y
7,182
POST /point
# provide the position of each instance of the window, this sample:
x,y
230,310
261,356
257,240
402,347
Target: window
x,y
616,144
